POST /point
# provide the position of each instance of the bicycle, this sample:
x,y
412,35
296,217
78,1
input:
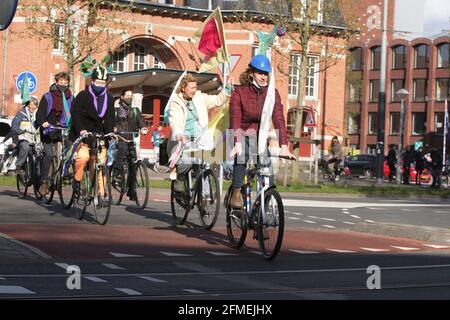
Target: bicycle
x,y
331,176
201,189
8,159
265,218
89,185
122,184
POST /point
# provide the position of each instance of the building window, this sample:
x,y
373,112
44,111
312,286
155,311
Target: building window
x,y
373,123
353,123
371,148
396,85
290,123
157,62
418,123
444,55
374,90
399,57
312,76
376,58
58,37
439,118
394,123
119,61
442,89
421,56
356,59
420,90
140,57
354,92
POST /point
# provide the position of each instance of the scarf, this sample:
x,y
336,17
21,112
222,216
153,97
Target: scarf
x,y
124,110
103,95
58,104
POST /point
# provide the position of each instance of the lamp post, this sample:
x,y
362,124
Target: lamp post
x,y
402,94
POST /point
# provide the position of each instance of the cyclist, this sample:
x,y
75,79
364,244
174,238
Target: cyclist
x,y
54,110
128,119
188,113
157,140
23,129
246,108
334,155
93,111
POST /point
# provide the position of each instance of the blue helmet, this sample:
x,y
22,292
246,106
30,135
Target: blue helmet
x,y
260,62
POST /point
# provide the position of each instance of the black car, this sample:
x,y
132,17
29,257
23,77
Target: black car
x,y
361,165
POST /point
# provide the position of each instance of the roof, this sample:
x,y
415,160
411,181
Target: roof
x,y
160,81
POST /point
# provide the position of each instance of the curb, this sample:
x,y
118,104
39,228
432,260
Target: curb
x,y
421,233
29,252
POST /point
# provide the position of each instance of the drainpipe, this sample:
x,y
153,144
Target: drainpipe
x,y
5,58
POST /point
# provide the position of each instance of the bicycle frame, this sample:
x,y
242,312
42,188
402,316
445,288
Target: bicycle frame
x,y
194,189
262,185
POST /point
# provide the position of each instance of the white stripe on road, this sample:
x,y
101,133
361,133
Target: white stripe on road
x,y
157,200
405,248
129,292
112,266
303,251
350,205
436,246
328,226
174,254
95,279
152,279
409,210
293,218
369,221
355,216
376,208
62,265
346,222
374,249
215,253
297,213
341,251
441,212
193,291
319,218
15,290
309,221
256,252
125,255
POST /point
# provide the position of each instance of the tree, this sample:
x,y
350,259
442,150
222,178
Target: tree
x,y
78,28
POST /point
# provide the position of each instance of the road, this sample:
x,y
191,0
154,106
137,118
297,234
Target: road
x,y
139,254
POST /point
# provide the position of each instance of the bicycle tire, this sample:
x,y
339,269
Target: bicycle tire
x,y
273,221
118,189
51,182
81,202
102,207
160,168
65,187
208,218
444,182
237,223
22,183
36,177
141,185
179,204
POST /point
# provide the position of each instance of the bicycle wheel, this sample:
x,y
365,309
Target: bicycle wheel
x,y
237,223
22,180
179,203
36,177
81,201
160,168
102,202
64,185
270,227
141,185
426,179
209,199
51,182
118,185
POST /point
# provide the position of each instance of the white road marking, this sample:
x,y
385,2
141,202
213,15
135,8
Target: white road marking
x,y
436,246
62,265
297,213
112,266
376,208
293,218
355,216
328,226
174,254
15,290
350,205
152,279
129,292
375,250
215,253
319,218
125,255
346,222
2,278
441,212
341,251
159,200
409,210
309,221
405,248
256,252
193,291
303,251
95,279
369,221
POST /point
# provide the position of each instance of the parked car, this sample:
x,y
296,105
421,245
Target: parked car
x,y
5,126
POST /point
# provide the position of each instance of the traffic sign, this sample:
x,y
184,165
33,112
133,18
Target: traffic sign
x,y
310,119
32,80
418,144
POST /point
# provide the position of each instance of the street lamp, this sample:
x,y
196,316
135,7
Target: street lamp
x,y
402,94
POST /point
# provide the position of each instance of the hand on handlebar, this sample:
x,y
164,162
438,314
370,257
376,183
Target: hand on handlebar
x,y
181,138
84,133
284,153
45,125
144,131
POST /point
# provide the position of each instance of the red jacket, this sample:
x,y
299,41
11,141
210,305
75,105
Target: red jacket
x,y
246,104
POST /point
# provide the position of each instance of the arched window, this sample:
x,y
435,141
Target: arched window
x,y
356,59
140,59
399,57
421,56
119,61
444,55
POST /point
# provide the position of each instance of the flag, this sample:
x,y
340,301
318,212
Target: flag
x,y
211,41
25,90
172,96
266,117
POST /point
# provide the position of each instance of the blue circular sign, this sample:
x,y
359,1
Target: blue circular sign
x,y
32,81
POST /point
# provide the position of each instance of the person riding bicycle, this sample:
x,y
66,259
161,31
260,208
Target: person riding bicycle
x,y
246,109
92,111
334,155
188,113
54,110
128,119
24,131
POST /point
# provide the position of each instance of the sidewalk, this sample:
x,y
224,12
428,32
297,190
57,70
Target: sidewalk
x,y
12,250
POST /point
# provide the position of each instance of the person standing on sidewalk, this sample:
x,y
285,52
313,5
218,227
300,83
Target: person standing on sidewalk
x,y
419,164
407,158
391,160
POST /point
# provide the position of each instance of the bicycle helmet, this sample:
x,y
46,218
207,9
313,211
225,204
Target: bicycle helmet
x,y
260,62
99,73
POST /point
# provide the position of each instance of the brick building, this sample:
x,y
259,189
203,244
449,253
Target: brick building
x,y
161,38
420,65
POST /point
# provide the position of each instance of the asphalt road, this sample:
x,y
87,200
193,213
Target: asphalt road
x,y
139,254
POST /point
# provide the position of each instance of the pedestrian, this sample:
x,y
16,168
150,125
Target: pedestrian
x,y
407,158
419,164
391,161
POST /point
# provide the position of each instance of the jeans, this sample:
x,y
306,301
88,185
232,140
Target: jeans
x,y
24,149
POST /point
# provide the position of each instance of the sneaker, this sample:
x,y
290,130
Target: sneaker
x,y
236,199
132,196
43,189
76,188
